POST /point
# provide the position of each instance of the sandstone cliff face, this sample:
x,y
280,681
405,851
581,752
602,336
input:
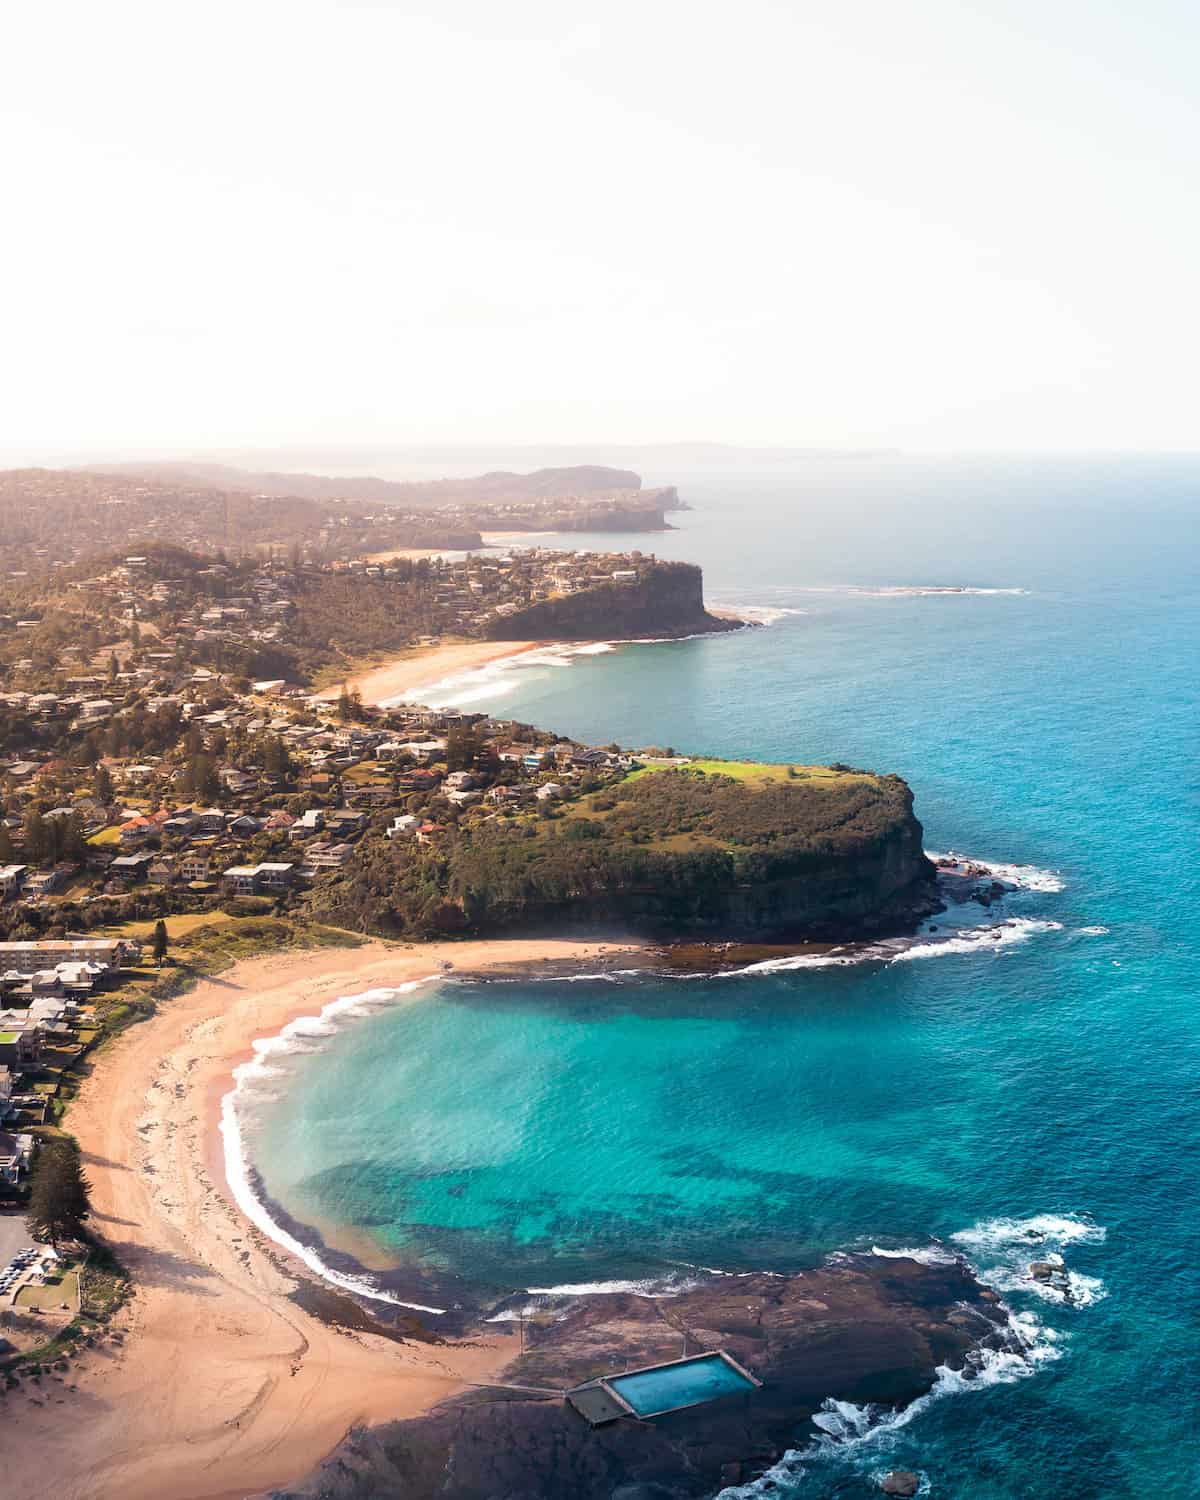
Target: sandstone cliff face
x,y
864,1330
666,601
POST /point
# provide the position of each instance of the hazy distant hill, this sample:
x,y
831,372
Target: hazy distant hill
x,y
50,516
498,487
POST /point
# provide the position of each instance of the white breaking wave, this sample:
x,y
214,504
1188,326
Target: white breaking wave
x,y
1006,934
1004,1249
997,1248
760,614
801,961
927,1255
904,590
847,1430
237,1165
1021,877
1051,1231
662,1286
1091,931
494,678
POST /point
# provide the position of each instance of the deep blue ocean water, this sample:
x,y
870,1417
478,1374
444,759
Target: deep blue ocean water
x,y
536,1135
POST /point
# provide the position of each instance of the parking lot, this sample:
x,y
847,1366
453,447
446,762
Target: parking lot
x,y
14,1236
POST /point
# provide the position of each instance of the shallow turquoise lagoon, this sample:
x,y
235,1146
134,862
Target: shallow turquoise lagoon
x,y
1038,1096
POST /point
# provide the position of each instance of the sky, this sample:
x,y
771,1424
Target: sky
x,y
936,224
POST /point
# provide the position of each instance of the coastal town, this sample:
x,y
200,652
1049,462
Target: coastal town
x,y
55,518
144,775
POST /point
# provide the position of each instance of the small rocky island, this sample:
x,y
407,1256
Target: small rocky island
x,y
866,1329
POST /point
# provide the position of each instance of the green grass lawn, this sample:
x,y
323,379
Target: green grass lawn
x,y
178,926
52,1296
756,771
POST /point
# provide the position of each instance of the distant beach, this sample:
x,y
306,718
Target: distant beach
x,y
424,666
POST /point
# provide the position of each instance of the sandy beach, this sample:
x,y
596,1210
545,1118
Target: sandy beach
x,y
212,1383
406,675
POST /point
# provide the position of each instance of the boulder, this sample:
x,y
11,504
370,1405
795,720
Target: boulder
x,y
900,1482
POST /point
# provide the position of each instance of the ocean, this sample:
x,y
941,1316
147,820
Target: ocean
x,y
1002,1100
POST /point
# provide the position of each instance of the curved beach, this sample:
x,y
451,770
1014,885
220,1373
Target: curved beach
x,y
214,1383
424,667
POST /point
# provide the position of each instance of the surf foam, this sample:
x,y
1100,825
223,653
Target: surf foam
x,y
237,1164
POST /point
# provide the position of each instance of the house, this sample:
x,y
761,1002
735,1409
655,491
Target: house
x,y
280,821
463,799
403,826
138,831
181,823
324,855
507,796
241,880
46,882
161,871
131,867
425,749
255,880
345,822
429,833
6,1092
193,867
41,953
210,820
16,1153
311,821
246,825
20,1041
12,878
549,791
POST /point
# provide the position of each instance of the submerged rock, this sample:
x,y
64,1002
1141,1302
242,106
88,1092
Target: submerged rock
x,y
866,1329
900,1482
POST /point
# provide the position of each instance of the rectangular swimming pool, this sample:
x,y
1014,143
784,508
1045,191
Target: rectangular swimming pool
x,y
687,1382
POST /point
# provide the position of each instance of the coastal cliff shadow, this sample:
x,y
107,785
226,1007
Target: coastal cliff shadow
x,y
90,1159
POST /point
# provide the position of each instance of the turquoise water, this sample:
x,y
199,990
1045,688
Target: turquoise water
x,y
536,1135
651,1391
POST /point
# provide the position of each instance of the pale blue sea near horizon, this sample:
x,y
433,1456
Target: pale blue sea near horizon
x,y
532,1135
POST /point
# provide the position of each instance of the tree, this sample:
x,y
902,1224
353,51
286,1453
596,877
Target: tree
x,y
463,747
103,785
7,852
114,666
350,704
37,838
58,1202
202,778
160,941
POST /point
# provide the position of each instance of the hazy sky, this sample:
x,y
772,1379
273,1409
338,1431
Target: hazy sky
x,y
931,223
